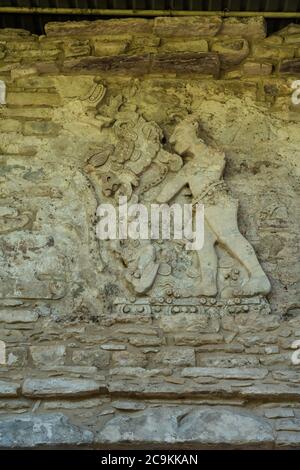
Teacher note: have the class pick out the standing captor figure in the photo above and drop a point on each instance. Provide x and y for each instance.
(203, 173)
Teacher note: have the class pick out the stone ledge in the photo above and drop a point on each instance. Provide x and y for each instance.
(190, 426)
(59, 387)
(206, 63)
(31, 430)
(203, 427)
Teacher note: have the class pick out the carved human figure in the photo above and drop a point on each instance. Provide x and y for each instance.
(203, 173)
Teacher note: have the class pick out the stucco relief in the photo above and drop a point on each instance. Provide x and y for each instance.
(139, 162)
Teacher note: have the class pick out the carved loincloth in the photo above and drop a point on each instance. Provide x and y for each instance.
(214, 193)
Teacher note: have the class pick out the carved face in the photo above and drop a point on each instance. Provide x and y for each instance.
(184, 135)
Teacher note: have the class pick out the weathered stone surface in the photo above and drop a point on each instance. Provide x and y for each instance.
(193, 45)
(100, 328)
(229, 360)
(279, 413)
(202, 63)
(50, 354)
(30, 98)
(77, 48)
(225, 373)
(94, 28)
(287, 424)
(185, 339)
(138, 371)
(290, 66)
(113, 347)
(249, 28)
(286, 375)
(176, 357)
(59, 387)
(129, 359)
(110, 46)
(32, 430)
(134, 64)
(140, 340)
(231, 51)
(187, 27)
(92, 356)
(288, 439)
(9, 389)
(128, 405)
(40, 128)
(200, 427)
(18, 316)
(293, 39)
(262, 51)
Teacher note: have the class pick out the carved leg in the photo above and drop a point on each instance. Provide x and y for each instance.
(223, 222)
(208, 264)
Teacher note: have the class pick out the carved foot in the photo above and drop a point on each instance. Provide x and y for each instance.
(260, 285)
(147, 278)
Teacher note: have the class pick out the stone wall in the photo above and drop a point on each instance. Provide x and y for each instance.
(81, 368)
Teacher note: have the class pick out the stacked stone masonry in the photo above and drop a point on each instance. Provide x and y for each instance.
(83, 368)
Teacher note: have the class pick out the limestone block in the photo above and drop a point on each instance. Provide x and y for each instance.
(83, 403)
(48, 354)
(228, 360)
(129, 359)
(279, 413)
(138, 372)
(74, 371)
(17, 356)
(175, 357)
(18, 316)
(140, 340)
(181, 321)
(287, 424)
(225, 373)
(14, 405)
(261, 51)
(14, 33)
(46, 128)
(273, 40)
(126, 63)
(113, 347)
(144, 43)
(33, 430)
(76, 48)
(189, 339)
(193, 45)
(23, 45)
(231, 51)
(128, 405)
(202, 63)
(257, 68)
(9, 389)
(95, 28)
(288, 439)
(33, 99)
(10, 125)
(92, 356)
(272, 349)
(187, 27)
(249, 28)
(2, 50)
(59, 387)
(181, 425)
(287, 375)
(290, 66)
(289, 31)
(111, 45)
(292, 39)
